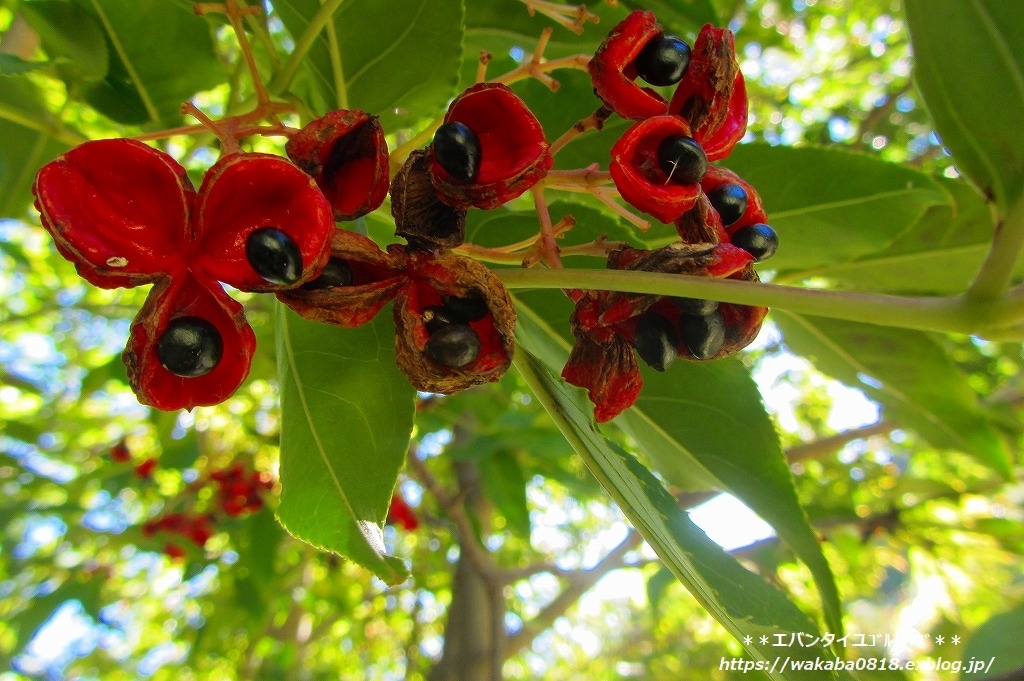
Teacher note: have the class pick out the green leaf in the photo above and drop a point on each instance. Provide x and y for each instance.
(939, 255)
(32, 136)
(712, 412)
(11, 65)
(398, 59)
(830, 206)
(160, 56)
(908, 373)
(505, 483)
(679, 15)
(741, 601)
(346, 420)
(978, 118)
(704, 426)
(68, 31)
(995, 647)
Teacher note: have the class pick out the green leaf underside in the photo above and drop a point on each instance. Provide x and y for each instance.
(70, 32)
(741, 601)
(908, 373)
(996, 641)
(703, 426)
(399, 59)
(27, 129)
(347, 415)
(142, 85)
(811, 195)
(978, 118)
(939, 255)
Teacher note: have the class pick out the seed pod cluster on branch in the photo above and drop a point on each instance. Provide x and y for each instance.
(126, 214)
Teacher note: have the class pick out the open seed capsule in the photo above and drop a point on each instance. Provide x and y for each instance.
(190, 347)
(730, 200)
(656, 341)
(274, 255)
(663, 61)
(702, 335)
(760, 240)
(457, 150)
(682, 159)
(454, 345)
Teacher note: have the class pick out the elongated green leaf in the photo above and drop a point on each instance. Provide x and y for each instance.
(939, 255)
(397, 59)
(995, 647)
(11, 65)
(746, 605)
(68, 31)
(346, 419)
(908, 373)
(832, 206)
(160, 56)
(32, 136)
(978, 118)
(704, 426)
(688, 15)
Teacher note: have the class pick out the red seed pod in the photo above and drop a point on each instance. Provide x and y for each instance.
(605, 323)
(712, 96)
(117, 209)
(146, 468)
(639, 174)
(201, 530)
(613, 68)
(346, 153)
(357, 282)
(190, 298)
(120, 452)
(174, 552)
(400, 513)
(753, 213)
(420, 311)
(243, 193)
(513, 153)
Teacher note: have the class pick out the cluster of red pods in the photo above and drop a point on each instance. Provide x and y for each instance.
(127, 214)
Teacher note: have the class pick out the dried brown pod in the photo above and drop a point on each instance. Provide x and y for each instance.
(421, 218)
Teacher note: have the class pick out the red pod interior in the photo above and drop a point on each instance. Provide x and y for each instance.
(245, 192)
(613, 68)
(638, 175)
(188, 296)
(118, 209)
(755, 213)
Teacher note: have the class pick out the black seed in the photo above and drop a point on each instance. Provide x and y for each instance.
(336, 273)
(663, 61)
(455, 346)
(190, 347)
(703, 335)
(696, 306)
(656, 341)
(469, 309)
(457, 149)
(436, 317)
(274, 255)
(759, 240)
(682, 159)
(730, 200)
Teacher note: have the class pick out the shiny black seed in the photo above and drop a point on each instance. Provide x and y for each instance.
(730, 200)
(696, 306)
(436, 317)
(190, 347)
(682, 159)
(274, 255)
(335, 273)
(457, 149)
(703, 335)
(758, 240)
(656, 341)
(663, 61)
(455, 346)
(469, 309)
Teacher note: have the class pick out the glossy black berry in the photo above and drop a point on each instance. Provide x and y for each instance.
(454, 346)
(682, 159)
(696, 306)
(335, 273)
(436, 317)
(730, 200)
(190, 347)
(702, 335)
(656, 341)
(468, 309)
(457, 150)
(758, 240)
(663, 61)
(274, 255)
